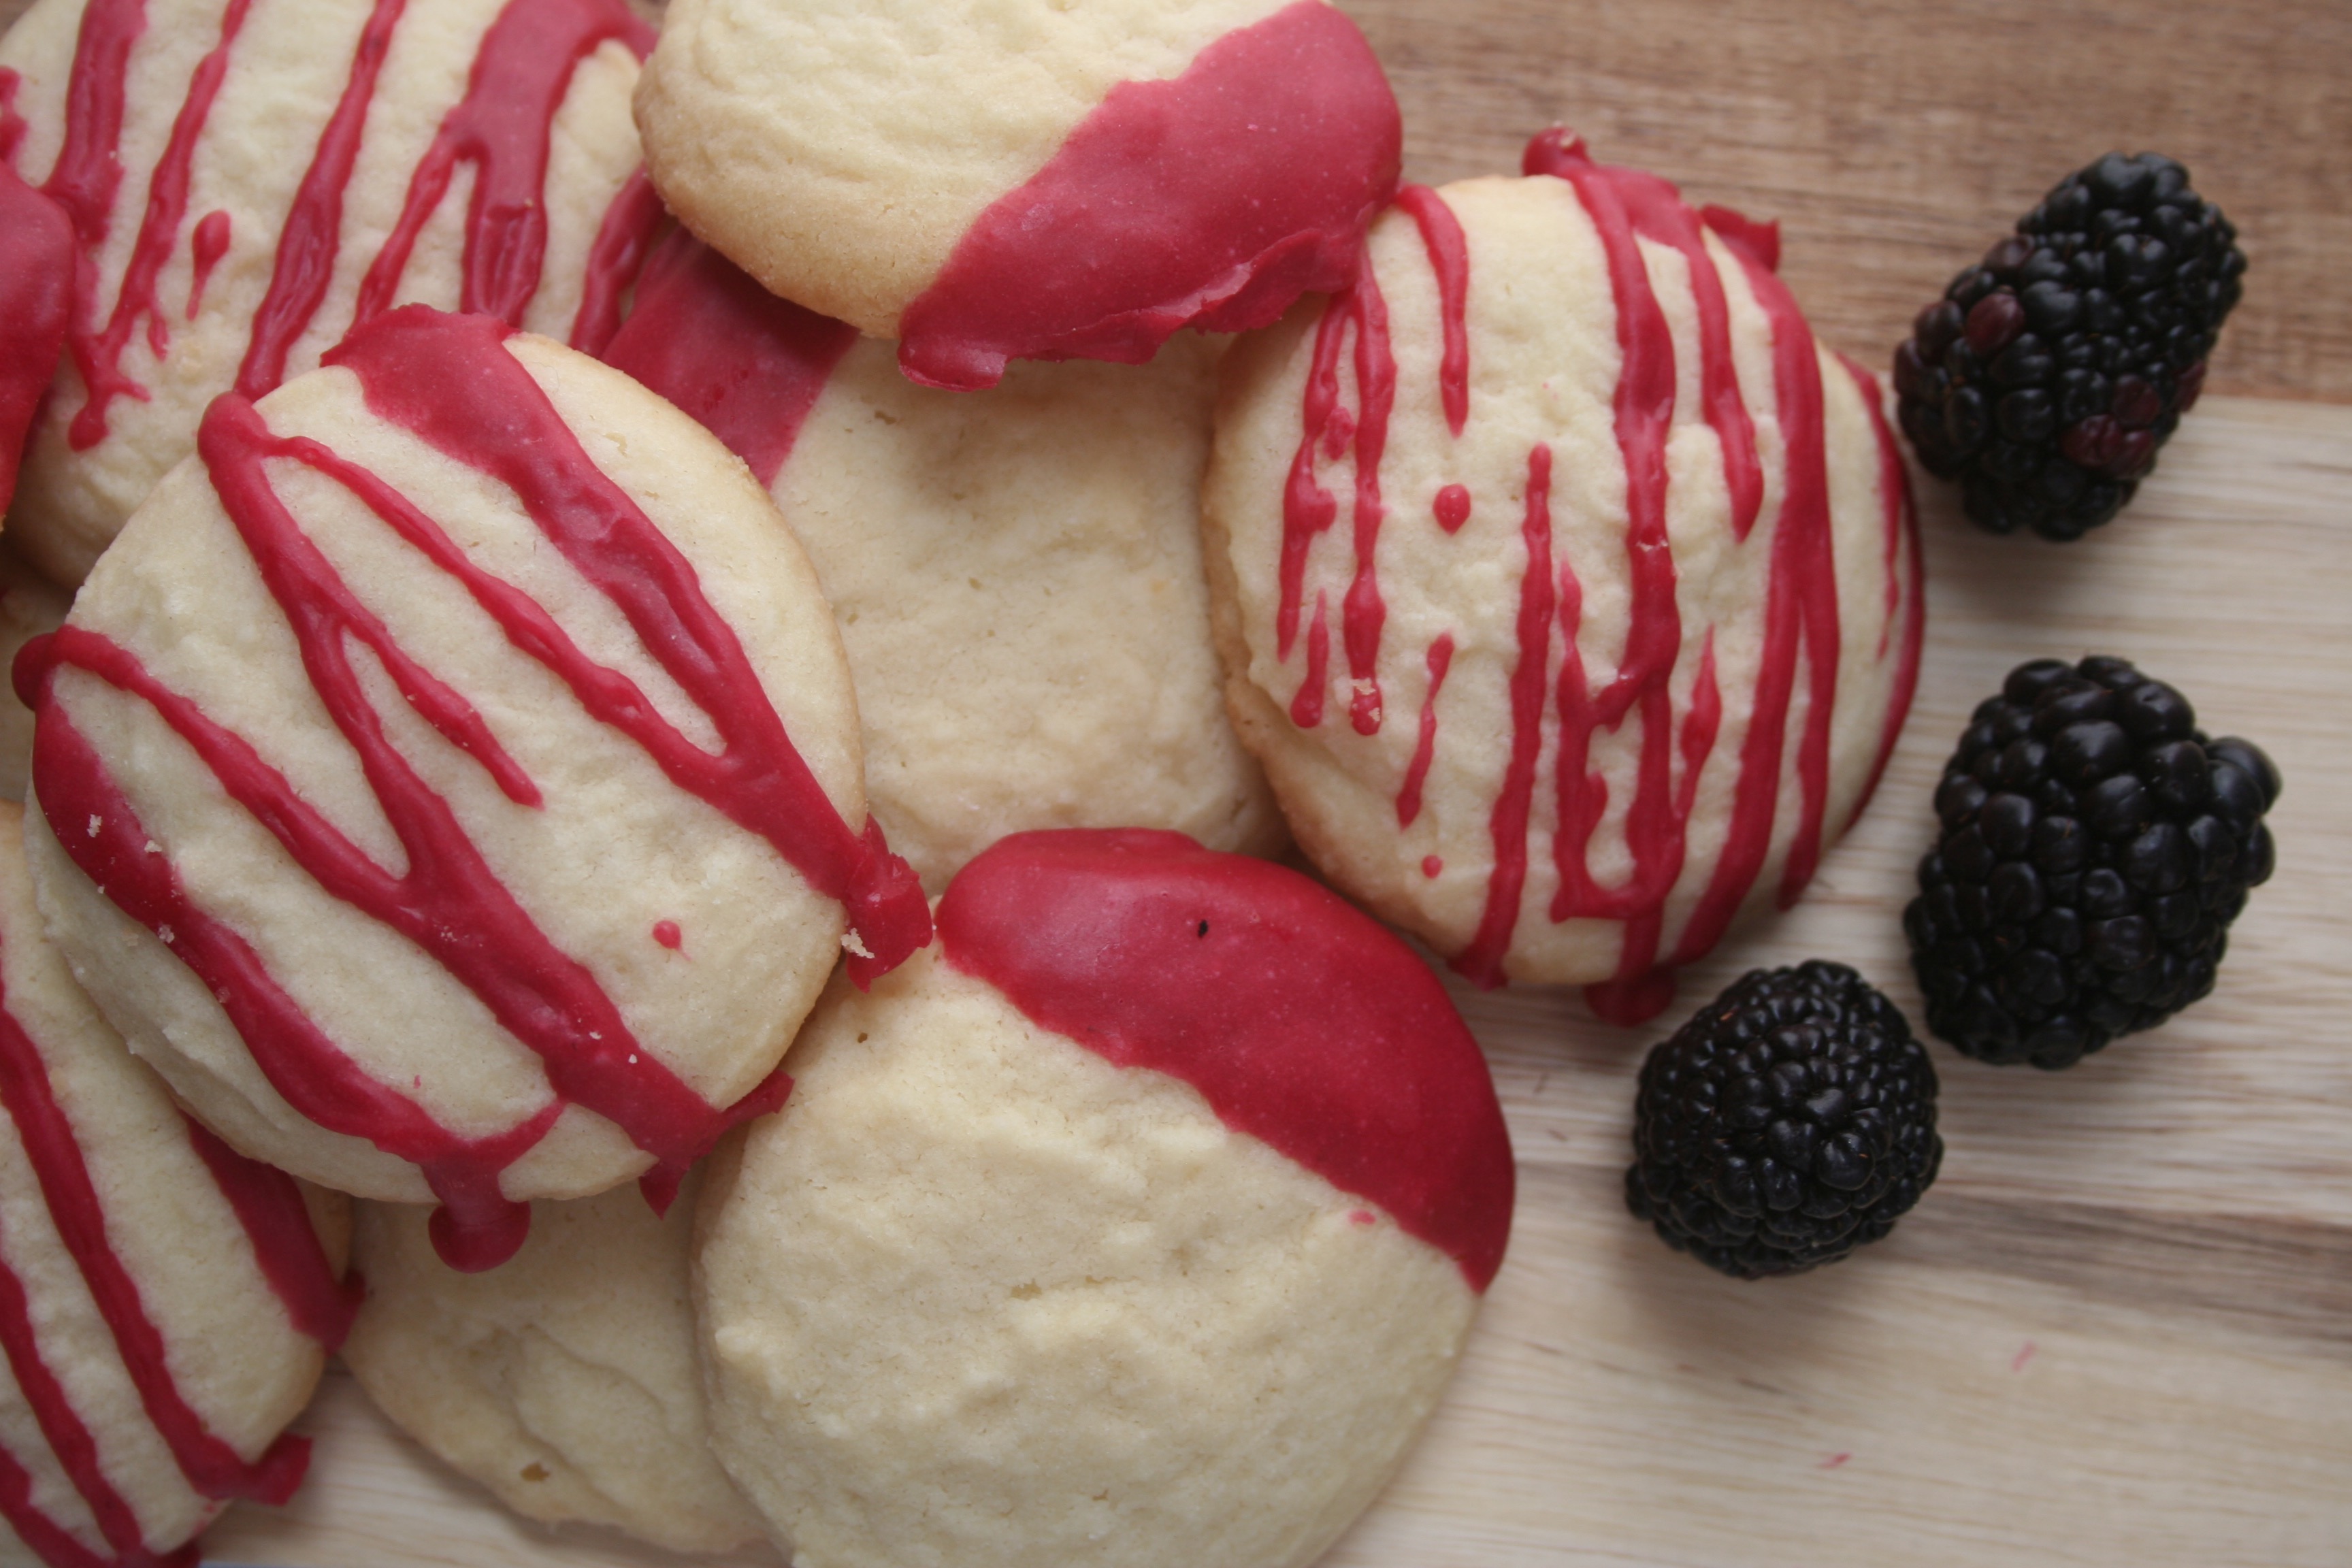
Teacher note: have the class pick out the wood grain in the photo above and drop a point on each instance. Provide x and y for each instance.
(2119, 1329)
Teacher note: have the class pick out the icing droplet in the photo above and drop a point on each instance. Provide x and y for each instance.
(1453, 508)
(1432, 866)
(667, 933)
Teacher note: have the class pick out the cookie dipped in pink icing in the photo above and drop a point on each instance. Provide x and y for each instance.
(1152, 1209)
(1569, 590)
(1039, 180)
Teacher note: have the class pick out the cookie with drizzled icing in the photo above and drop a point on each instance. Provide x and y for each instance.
(166, 1305)
(1017, 576)
(207, 195)
(990, 179)
(1569, 590)
(1141, 1222)
(450, 780)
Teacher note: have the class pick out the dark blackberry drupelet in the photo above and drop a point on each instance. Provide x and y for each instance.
(1788, 1122)
(2049, 373)
(2095, 848)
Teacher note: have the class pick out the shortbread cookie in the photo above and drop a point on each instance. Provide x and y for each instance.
(1141, 1224)
(450, 780)
(1570, 593)
(1017, 574)
(245, 179)
(566, 1381)
(166, 1305)
(30, 605)
(988, 180)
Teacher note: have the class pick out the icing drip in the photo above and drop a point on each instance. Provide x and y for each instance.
(1627, 209)
(624, 239)
(448, 379)
(503, 127)
(1214, 200)
(749, 366)
(1307, 707)
(1303, 1022)
(1441, 659)
(269, 1206)
(98, 356)
(206, 248)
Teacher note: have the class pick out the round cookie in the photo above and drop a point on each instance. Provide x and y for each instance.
(1017, 573)
(1140, 1223)
(449, 781)
(243, 180)
(1568, 592)
(566, 1379)
(166, 1305)
(987, 180)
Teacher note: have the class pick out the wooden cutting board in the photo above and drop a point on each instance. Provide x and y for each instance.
(2117, 1329)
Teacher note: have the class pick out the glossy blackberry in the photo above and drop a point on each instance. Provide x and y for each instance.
(2049, 373)
(1786, 1124)
(2095, 848)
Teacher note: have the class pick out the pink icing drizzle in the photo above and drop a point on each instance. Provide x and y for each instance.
(37, 270)
(1304, 1023)
(450, 380)
(287, 1250)
(206, 248)
(667, 933)
(1424, 752)
(749, 367)
(1214, 199)
(1626, 208)
(503, 127)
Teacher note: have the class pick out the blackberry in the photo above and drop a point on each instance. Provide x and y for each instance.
(2095, 848)
(2049, 373)
(1786, 1124)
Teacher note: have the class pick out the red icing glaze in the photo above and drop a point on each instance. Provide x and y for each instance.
(1627, 208)
(1441, 659)
(269, 1206)
(1214, 200)
(667, 933)
(206, 248)
(1449, 260)
(314, 225)
(1452, 508)
(37, 270)
(503, 128)
(1304, 1022)
(98, 356)
(624, 240)
(211, 1466)
(749, 366)
(450, 380)
(1307, 704)
(1482, 960)
(520, 76)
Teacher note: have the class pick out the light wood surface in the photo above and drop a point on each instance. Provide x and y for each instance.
(2119, 1329)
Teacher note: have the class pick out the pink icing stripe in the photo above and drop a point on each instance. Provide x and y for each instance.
(1214, 199)
(210, 1465)
(206, 248)
(1449, 263)
(503, 127)
(36, 296)
(749, 367)
(1481, 962)
(1306, 703)
(100, 357)
(1303, 1022)
(1441, 659)
(270, 1209)
(308, 245)
(624, 239)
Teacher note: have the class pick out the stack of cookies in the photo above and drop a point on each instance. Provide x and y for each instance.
(589, 560)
